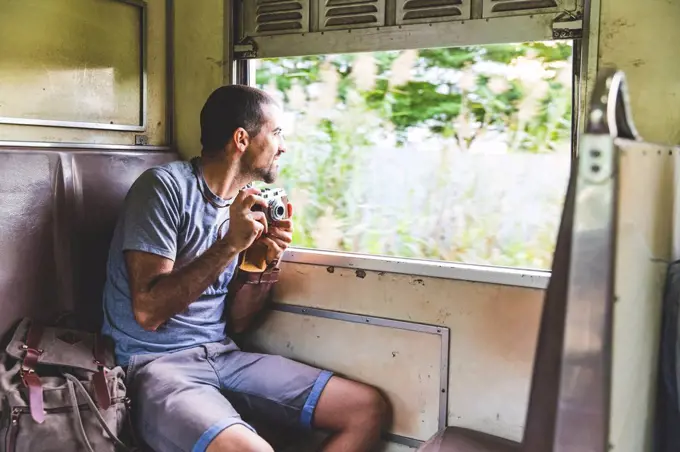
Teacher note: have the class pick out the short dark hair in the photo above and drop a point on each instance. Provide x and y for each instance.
(228, 108)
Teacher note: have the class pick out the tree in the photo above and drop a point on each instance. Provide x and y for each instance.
(522, 90)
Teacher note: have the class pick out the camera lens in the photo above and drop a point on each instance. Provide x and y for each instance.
(279, 211)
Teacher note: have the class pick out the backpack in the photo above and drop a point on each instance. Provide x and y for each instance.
(60, 392)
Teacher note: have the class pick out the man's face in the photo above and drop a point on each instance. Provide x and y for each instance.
(262, 155)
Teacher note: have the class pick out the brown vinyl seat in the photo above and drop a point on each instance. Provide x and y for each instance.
(465, 440)
(58, 209)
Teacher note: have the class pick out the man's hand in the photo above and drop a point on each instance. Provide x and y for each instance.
(245, 226)
(279, 236)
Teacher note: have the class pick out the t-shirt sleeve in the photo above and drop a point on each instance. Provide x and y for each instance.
(152, 214)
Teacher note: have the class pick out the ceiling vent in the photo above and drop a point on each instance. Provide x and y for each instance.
(495, 8)
(272, 17)
(349, 14)
(428, 11)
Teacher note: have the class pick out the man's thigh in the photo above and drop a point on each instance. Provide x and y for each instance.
(269, 387)
(179, 404)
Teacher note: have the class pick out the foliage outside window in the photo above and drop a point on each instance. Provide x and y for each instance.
(454, 154)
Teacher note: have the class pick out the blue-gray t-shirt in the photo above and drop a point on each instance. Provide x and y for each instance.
(166, 213)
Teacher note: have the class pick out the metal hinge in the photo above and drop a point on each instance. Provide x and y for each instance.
(568, 25)
(245, 49)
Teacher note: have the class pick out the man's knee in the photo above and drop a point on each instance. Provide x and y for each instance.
(370, 406)
(347, 405)
(238, 438)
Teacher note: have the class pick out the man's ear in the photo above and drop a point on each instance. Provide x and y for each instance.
(241, 139)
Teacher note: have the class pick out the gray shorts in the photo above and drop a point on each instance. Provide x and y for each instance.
(186, 398)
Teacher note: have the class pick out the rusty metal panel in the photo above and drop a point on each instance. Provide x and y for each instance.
(406, 364)
(493, 332)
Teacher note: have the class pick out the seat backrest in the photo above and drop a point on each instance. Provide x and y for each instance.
(58, 209)
(544, 395)
(569, 405)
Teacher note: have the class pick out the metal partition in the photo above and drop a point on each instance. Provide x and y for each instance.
(570, 396)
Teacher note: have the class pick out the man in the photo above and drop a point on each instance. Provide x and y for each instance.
(171, 259)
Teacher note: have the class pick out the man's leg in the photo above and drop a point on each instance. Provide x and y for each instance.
(238, 438)
(291, 394)
(180, 408)
(357, 413)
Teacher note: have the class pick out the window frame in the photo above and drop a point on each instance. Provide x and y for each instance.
(584, 70)
(489, 274)
(141, 7)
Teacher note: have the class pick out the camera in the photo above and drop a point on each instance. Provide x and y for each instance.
(277, 204)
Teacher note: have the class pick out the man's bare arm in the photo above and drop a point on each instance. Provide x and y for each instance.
(158, 292)
(242, 312)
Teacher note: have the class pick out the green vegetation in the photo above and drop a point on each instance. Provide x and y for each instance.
(352, 114)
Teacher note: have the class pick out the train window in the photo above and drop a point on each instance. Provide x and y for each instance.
(450, 154)
(86, 68)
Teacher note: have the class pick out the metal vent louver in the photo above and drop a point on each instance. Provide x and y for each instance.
(272, 17)
(348, 14)
(428, 11)
(495, 8)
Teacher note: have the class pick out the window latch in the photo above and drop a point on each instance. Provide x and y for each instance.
(568, 26)
(245, 49)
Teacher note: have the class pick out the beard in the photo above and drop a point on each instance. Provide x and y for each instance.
(269, 174)
(257, 171)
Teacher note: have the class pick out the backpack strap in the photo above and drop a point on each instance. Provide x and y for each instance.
(101, 389)
(28, 376)
(32, 382)
(76, 385)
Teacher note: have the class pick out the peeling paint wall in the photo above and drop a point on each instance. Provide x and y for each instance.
(642, 39)
(643, 248)
(198, 66)
(405, 365)
(493, 332)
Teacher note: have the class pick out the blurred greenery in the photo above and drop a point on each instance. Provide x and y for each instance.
(345, 108)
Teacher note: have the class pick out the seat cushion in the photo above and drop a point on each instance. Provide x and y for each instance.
(456, 439)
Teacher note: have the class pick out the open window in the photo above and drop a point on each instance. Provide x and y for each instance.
(451, 154)
(448, 146)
